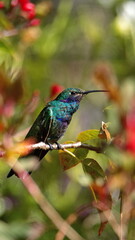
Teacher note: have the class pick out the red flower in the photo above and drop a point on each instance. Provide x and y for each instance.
(31, 14)
(2, 4)
(130, 141)
(23, 2)
(55, 90)
(28, 7)
(130, 121)
(7, 109)
(14, 3)
(34, 22)
(130, 130)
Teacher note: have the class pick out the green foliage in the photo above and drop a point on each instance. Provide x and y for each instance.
(86, 44)
(93, 168)
(72, 157)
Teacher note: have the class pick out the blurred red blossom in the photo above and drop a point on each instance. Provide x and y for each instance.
(2, 4)
(104, 201)
(7, 109)
(104, 75)
(130, 119)
(14, 3)
(24, 8)
(55, 90)
(130, 129)
(2, 127)
(23, 2)
(128, 125)
(130, 144)
(34, 22)
(28, 8)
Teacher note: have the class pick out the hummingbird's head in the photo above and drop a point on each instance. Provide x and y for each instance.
(70, 95)
(74, 94)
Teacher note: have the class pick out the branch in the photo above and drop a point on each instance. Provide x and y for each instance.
(36, 193)
(42, 201)
(55, 146)
(9, 33)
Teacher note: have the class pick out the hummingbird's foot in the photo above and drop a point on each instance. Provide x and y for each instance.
(50, 145)
(52, 148)
(58, 145)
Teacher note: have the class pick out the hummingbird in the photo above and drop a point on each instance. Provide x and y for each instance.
(53, 120)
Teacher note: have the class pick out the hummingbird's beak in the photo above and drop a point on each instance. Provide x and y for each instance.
(92, 91)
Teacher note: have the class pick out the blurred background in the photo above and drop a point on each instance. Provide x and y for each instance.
(74, 43)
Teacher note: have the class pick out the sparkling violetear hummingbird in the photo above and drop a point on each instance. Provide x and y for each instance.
(54, 119)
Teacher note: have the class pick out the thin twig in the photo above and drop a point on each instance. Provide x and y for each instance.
(44, 146)
(71, 219)
(42, 201)
(36, 193)
(9, 33)
(55, 146)
(113, 222)
(121, 216)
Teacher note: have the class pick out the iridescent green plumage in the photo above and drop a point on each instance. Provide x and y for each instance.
(54, 119)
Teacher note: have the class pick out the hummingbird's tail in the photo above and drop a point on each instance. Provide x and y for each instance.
(11, 173)
(23, 174)
(36, 153)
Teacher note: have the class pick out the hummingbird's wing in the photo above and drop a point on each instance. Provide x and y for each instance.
(40, 132)
(42, 125)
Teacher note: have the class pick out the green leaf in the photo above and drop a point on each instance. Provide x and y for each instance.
(89, 137)
(81, 153)
(102, 159)
(91, 167)
(68, 158)
(10, 59)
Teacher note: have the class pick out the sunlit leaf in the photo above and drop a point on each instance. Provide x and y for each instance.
(88, 135)
(102, 159)
(93, 168)
(68, 158)
(81, 153)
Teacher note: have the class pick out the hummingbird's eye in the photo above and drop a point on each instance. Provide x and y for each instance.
(73, 93)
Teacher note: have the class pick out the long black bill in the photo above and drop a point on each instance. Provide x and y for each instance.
(92, 91)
